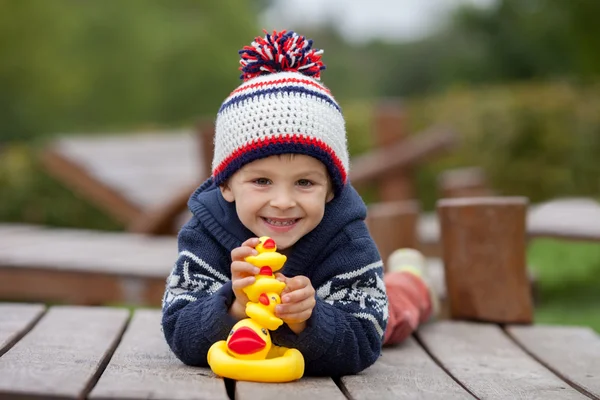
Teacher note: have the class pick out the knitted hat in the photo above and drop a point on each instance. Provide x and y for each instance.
(280, 108)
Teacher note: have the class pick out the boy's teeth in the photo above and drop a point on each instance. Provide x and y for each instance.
(280, 223)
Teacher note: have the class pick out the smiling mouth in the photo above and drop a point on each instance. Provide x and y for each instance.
(281, 222)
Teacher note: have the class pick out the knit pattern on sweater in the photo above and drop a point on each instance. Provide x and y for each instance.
(343, 335)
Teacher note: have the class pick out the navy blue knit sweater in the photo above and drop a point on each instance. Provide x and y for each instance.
(344, 334)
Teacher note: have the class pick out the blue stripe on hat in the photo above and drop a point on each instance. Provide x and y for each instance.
(284, 89)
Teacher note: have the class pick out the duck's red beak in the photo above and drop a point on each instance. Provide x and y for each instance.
(269, 244)
(245, 341)
(264, 299)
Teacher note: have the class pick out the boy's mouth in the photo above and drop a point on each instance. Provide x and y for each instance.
(281, 222)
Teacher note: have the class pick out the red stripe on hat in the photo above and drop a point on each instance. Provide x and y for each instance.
(277, 82)
(293, 139)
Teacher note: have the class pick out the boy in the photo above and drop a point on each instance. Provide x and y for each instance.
(280, 169)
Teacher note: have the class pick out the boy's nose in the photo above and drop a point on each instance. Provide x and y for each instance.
(283, 199)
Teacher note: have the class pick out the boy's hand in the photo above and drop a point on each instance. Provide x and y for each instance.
(242, 275)
(297, 302)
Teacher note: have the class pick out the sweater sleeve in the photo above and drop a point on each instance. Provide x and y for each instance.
(344, 334)
(197, 298)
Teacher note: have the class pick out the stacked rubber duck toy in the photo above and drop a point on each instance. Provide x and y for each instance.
(248, 353)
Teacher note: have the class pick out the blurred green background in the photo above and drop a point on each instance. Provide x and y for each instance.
(518, 81)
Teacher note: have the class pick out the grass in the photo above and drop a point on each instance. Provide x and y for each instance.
(569, 282)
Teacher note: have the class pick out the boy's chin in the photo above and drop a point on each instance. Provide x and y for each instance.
(283, 243)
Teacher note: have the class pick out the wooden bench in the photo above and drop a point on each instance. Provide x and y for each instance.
(73, 352)
(83, 267)
(135, 178)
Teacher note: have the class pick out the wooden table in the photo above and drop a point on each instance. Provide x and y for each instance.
(101, 353)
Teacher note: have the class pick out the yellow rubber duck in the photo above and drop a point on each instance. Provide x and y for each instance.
(248, 354)
(269, 261)
(263, 311)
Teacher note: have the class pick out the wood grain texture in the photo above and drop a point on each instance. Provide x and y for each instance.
(305, 388)
(144, 367)
(483, 242)
(63, 354)
(15, 321)
(404, 372)
(393, 225)
(489, 364)
(573, 353)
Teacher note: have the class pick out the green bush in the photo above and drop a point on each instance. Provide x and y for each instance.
(535, 140)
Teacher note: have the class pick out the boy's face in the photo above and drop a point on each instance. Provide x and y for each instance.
(280, 196)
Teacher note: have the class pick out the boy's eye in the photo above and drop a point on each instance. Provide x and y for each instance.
(304, 182)
(262, 181)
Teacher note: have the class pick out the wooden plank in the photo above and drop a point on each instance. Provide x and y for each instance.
(491, 366)
(79, 287)
(93, 251)
(376, 164)
(404, 372)
(98, 267)
(483, 242)
(64, 353)
(573, 353)
(305, 388)
(144, 367)
(571, 218)
(15, 321)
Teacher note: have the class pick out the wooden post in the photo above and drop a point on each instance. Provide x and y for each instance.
(390, 129)
(393, 225)
(483, 241)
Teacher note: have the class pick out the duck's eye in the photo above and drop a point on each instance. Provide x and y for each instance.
(231, 332)
(273, 298)
(264, 331)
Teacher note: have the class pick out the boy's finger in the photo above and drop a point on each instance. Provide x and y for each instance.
(296, 296)
(252, 242)
(280, 277)
(242, 283)
(297, 282)
(297, 318)
(239, 253)
(243, 267)
(294, 308)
